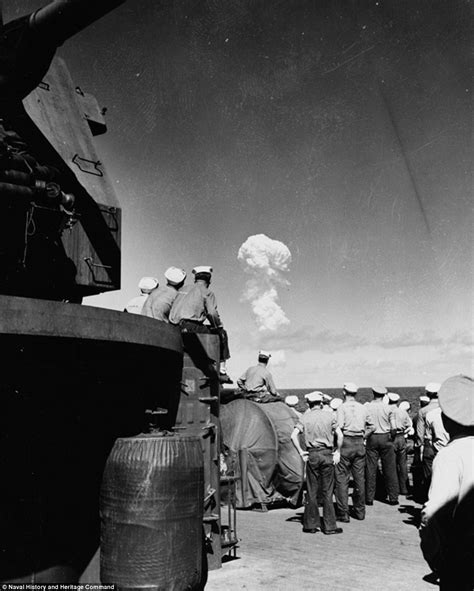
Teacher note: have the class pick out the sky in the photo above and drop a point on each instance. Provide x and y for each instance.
(341, 130)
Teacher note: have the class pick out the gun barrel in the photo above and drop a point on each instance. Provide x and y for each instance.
(62, 19)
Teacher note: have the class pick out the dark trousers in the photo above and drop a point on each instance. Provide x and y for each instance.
(400, 447)
(352, 460)
(195, 326)
(429, 454)
(380, 445)
(319, 475)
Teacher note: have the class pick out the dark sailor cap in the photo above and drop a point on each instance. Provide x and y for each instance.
(456, 399)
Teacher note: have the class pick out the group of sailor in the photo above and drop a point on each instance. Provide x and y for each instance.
(362, 435)
(191, 308)
(352, 439)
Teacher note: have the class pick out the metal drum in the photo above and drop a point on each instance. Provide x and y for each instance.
(151, 513)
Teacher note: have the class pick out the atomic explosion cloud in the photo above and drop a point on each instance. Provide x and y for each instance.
(265, 260)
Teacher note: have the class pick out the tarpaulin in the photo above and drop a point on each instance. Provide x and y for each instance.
(289, 476)
(253, 445)
(151, 513)
(258, 439)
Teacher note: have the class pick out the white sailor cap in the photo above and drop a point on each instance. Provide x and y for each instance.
(432, 387)
(175, 275)
(264, 354)
(202, 269)
(147, 284)
(424, 399)
(291, 400)
(379, 390)
(404, 405)
(456, 399)
(335, 403)
(326, 398)
(315, 396)
(393, 397)
(350, 388)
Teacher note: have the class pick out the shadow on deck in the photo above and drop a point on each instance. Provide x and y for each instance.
(381, 552)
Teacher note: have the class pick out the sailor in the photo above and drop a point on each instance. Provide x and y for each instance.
(193, 307)
(257, 382)
(424, 437)
(403, 425)
(146, 285)
(292, 402)
(419, 495)
(356, 424)
(158, 304)
(326, 402)
(438, 434)
(318, 429)
(404, 405)
(447, 520)
(380, 445)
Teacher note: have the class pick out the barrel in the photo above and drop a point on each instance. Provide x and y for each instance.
(151, 507)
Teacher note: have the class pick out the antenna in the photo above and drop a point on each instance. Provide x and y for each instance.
(404, 156)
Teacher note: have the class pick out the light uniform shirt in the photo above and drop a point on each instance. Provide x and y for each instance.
(318, 428)
(197, 303)
(257, 379)
(353, 418)
(438, 434)
(382, 415)
(159, 302)
(422, 432)
(452, 480)
(135, 305)
(403, 423)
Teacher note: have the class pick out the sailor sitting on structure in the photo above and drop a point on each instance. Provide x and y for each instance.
(159, 304)
(196, 305)
(257, 382)
(146, 285)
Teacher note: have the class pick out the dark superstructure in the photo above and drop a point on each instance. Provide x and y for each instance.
(59, 217)
(74, 378)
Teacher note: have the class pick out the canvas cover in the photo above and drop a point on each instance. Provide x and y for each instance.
(289, 476)
(258, 439)
(252, 444)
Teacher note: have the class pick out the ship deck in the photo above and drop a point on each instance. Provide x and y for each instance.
(381, 552)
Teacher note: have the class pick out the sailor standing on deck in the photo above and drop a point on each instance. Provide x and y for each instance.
(327, 402)
(158, 304)
(292, 402)
(417, 469)
(257, 382)
(146, 285)
(380, 444)
(318, 428)
(356, 424)
(403, 425)
(193, 307)
(423, 436)
(335, 404)
(447, 519)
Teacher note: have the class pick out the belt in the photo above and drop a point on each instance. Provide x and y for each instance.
(353, 436)
(319, 449)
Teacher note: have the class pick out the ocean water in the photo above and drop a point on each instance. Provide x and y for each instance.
(410, 393)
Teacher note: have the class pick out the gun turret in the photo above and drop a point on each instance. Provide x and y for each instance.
(50, 176)
(62, 19)
(28, 44)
